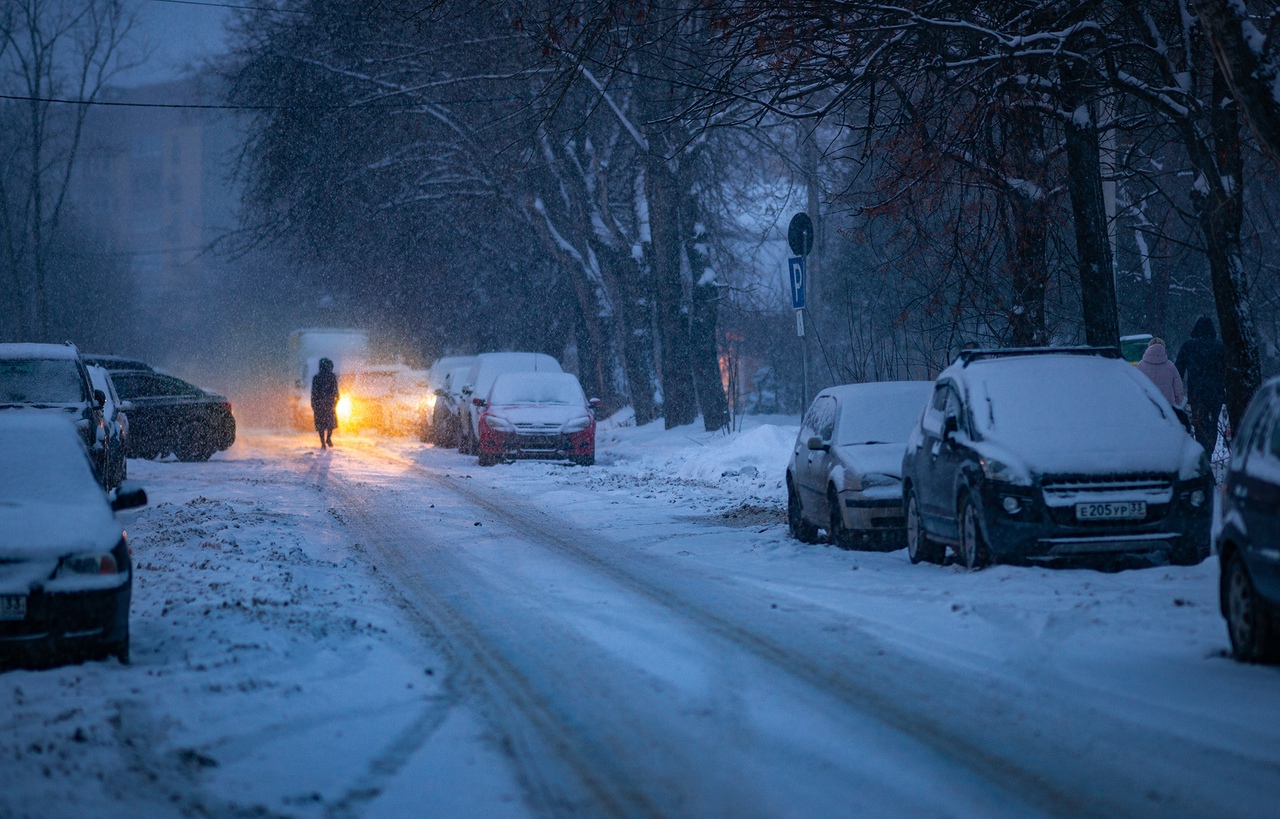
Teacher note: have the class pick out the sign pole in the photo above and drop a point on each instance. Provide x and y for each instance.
(800, 238)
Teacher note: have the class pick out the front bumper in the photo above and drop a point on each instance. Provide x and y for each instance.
(551, 446)
(878, 509)
(1040, 532)
(60, 623)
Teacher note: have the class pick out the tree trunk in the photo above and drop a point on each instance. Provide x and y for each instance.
(704, 349)
(679, 401)
(1089, 214)
(1220, 219)
(1030, 214)
(1250, 79)
(635, 330)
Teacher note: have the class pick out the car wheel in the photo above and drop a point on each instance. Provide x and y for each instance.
(973, 549)
(801, 530)
(1250, 622)
(919, 548)
(194, 452)
(837, 533)
(487, 460)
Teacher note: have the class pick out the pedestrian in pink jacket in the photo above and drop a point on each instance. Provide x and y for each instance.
(1155, 364)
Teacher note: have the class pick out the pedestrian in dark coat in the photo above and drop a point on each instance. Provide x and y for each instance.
(1202, 362)
(324, 402)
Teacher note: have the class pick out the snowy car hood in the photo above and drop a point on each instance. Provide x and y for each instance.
(1155, 448)
(540, 414)
(872, 459)
(31, 530)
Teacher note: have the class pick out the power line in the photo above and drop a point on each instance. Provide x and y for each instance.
(232, 6)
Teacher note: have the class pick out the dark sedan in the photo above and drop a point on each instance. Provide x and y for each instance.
(65, 575)
(168, 415)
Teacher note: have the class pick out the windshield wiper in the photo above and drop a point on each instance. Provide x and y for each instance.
(868, 443)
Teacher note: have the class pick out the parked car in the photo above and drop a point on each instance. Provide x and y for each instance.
(437, 373)
(168, 415)
(537, 415)
(1042, 454)
(116, 362)
(479, 381)
(65, 576)
(53, 378)
(1246, 532)
(845, 473)
(387, 398)
(115, 421)
(446, 427)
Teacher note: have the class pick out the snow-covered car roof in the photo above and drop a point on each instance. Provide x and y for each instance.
(441, 367)
(536, 388)
(50, 502)
(489, 365)
(33, 350)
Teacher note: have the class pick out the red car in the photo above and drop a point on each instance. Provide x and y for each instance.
(537, 415)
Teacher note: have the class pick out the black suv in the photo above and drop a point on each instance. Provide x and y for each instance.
(1050, 454)
(1246, 532)
(52, 377)
(167, 414)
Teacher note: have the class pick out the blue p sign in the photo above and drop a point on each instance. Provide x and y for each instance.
(795, 268)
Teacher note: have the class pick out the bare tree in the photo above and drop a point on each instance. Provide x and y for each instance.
(52, 50)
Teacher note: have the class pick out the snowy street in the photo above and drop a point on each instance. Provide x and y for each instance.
(387, 629)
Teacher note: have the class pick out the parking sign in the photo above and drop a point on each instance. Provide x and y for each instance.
(795, 268)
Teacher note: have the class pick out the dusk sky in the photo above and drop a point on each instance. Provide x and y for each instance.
(179, 35)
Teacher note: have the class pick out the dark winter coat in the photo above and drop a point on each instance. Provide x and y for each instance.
(1201, 362)
(324, 398)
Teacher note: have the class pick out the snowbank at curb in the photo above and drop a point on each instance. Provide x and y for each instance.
(761, 451)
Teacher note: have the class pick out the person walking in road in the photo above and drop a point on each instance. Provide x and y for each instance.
(1202, 362)
(324, 402)
(1155, 364)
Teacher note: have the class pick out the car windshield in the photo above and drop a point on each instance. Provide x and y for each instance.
(537, 388)
(881, 413)
(1063, 397)
(40, 381)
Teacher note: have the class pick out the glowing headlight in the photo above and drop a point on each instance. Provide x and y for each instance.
(497, 424)
(344, 409)
(430, 401)
(577, 424)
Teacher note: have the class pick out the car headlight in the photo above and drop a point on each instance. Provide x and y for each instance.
(497, 424)
(94, 564)
(430, 401)
(577, 424)
(1001, 472)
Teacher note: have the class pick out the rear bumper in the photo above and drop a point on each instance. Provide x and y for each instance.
(67, 623)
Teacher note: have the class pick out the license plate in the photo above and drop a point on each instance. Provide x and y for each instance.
(1112, 510)
(13, 607)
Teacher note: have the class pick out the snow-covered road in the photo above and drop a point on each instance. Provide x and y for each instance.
(388, 629)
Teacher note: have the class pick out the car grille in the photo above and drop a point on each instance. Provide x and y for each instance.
(528, 428)
(1063, 492)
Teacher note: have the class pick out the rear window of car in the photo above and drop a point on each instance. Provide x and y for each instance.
(145, 385)
(40, 381)
(536, 388)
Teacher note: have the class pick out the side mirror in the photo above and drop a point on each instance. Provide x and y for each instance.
(816, 443)
(950, 426)
(479, 402)
(127, 495)
(593, 402)
(126, 406)
(467, 390)
(100, 398)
